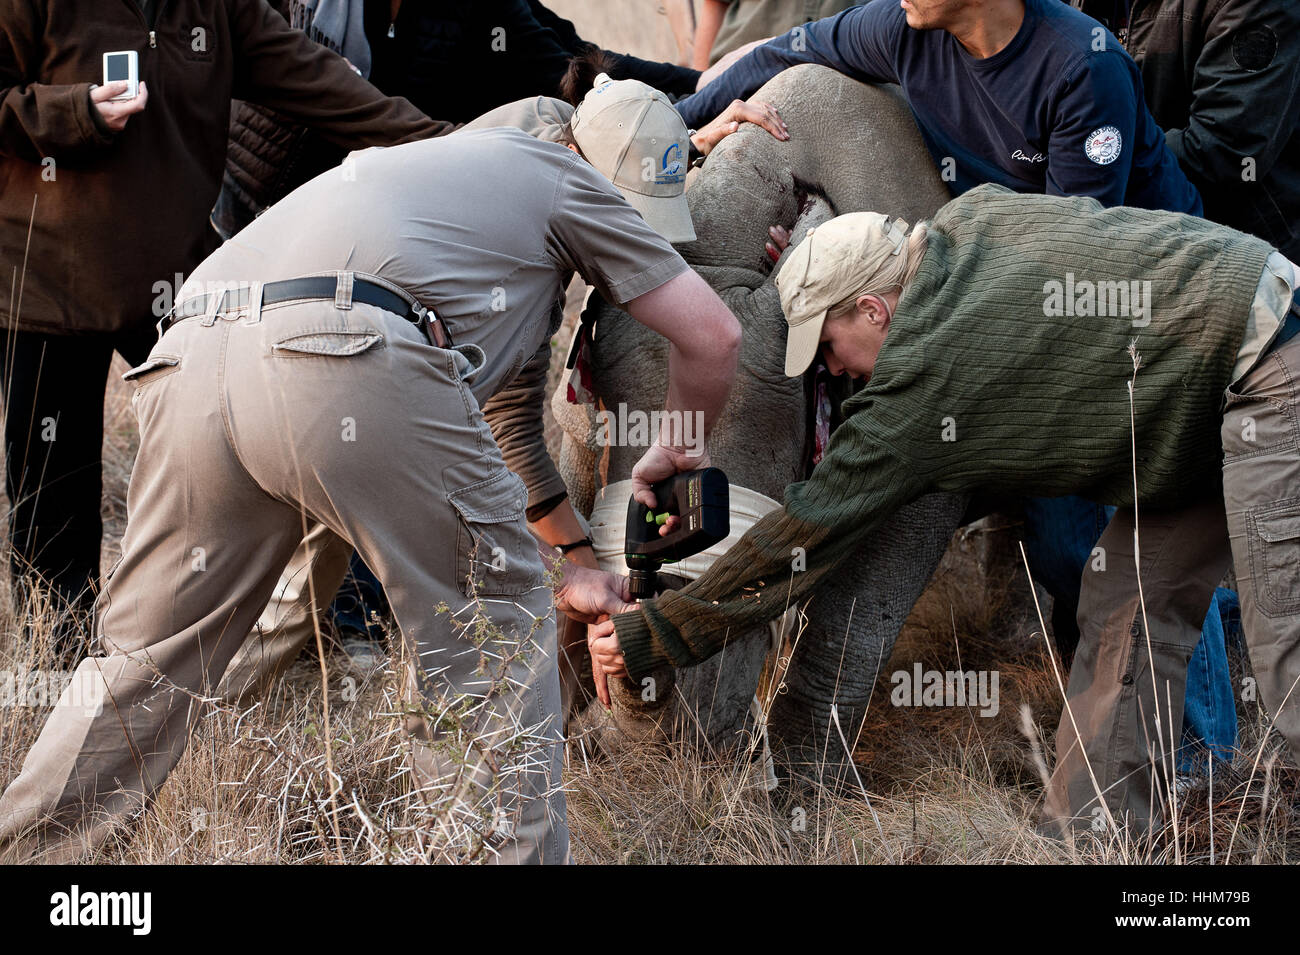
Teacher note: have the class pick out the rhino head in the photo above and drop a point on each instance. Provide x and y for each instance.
(852, 147)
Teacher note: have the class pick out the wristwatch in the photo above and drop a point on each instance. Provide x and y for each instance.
(694, 156)
(565, 548)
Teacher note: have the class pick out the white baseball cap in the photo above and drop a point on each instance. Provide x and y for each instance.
(632, 134)
(829, 265)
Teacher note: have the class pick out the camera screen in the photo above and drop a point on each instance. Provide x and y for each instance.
(118, 68)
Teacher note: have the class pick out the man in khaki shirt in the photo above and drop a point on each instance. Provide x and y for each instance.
(307, 384)
(319, 567)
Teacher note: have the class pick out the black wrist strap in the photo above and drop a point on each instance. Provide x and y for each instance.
(565, 548)
(693, 155)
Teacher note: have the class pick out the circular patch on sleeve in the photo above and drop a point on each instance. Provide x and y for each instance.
(1254, 48)
(1103, 145)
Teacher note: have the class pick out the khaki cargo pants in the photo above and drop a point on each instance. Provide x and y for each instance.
(256, 424)
(1124, 716)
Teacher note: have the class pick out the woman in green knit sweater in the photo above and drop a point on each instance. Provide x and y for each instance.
(1045, 345)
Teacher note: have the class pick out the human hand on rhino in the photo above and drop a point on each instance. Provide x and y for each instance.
(778, 243)
(729, 120)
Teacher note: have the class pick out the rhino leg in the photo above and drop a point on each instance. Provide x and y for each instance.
(713, 710)
(853, 623)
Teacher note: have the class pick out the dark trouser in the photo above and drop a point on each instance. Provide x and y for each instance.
(53, 392)
(361, 604)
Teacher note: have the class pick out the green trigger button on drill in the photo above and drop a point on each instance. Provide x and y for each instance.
(700, 500)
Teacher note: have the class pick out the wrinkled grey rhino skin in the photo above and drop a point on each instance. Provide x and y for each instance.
(852, 147)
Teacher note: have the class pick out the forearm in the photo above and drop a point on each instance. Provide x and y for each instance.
(666, 77)
(775, 566)
(1219, 155)
(560, 569)
(1236, 120)
(704, 351)
(780, 560)
(745, 76)
(514, 415)
(850, 43)
(706, 31)
(559, 526)
(39, 121)
(283, 69)
(699, 382)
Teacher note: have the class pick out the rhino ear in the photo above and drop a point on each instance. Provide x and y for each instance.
(815, 210)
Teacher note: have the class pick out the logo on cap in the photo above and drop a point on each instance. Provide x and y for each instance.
(671, 167)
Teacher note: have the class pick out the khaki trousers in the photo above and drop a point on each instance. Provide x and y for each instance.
(1123, 719)
(310, 580)
(255, 426)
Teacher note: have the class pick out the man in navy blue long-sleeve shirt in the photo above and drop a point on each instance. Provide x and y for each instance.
(1057, 109)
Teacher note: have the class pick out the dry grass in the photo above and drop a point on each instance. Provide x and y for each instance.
(942, 785)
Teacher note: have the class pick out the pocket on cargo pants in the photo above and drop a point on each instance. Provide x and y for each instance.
(496, 554)
(1261, 493)
(1261, 473)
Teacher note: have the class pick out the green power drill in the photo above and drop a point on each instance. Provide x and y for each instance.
(701, 499)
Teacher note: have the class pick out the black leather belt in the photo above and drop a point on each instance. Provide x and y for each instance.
(316, 287)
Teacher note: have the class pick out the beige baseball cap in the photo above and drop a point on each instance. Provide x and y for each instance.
(833, 262)
(632, 134)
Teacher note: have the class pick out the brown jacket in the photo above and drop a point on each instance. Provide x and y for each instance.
(95, 226)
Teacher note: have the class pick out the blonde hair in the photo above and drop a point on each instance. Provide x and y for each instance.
(892, 271)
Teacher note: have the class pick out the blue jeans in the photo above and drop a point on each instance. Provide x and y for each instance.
(1060, 533)
(358, 601)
